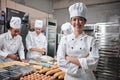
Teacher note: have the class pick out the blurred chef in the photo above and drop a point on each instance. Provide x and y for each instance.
(11, 45)
(66, 28)
(73, 49)
(36, 42)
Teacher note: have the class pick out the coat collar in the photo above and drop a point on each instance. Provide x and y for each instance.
(80, 36)
(37, 35)
(9, 34)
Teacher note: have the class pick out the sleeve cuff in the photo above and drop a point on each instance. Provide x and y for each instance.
(83, 63)
(4, 54)
(29, 48)
(72, 69)
(22, 55)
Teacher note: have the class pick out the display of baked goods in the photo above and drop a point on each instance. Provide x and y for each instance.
(26, 71)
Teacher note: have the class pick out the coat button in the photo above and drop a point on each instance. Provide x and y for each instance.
(81, 39)
(80, 48)
(71, 47)
(72, 39)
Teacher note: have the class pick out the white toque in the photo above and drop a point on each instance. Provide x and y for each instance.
(15, 22)
(78, 9)
(38, 23)
(66, 28)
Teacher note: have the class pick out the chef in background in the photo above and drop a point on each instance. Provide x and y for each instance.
(66, 28)
(11, 46)
(36, 42)
(77, 53)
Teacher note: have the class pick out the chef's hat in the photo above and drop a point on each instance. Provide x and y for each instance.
(15, 22)
(78, 9)
(38, 23)
(66, 28)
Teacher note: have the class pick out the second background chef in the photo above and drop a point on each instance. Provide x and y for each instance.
(36, 42)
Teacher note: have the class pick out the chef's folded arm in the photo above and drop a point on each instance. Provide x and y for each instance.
(28, 41)
(91, 61)
(4, 53)
(45, 45)
(65, 65)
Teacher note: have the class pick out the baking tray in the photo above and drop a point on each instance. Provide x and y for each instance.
(19, 69)
(10, 75)
(4, 77)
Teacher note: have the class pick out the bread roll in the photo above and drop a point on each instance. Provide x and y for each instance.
(51, 78)
(54, 66)
(53, 71)
(44, 70)
(37, 67)
(58, 74)
(61, 76)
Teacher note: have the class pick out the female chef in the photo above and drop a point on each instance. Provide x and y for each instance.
(11, 42)
(36, 42)
(77, 53)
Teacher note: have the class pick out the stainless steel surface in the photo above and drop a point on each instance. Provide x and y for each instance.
(51, 37)
(88, 29)
(108, 40)
(106, 28)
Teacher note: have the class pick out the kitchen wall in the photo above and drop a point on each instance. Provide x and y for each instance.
(33, 13)
(41, 5)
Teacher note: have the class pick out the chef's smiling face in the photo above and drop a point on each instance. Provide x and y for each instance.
(78, 23)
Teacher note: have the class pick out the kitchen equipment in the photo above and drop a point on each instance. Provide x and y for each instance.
(107, 37)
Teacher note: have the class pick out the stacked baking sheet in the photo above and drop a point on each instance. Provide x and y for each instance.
(108, 40)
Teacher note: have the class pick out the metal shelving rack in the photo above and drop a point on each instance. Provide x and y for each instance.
(108, 40)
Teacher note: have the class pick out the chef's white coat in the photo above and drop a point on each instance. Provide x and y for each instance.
(35, 41)
(9, 45)
(78, 47)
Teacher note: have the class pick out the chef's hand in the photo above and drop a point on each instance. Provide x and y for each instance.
(12, 56)
(41, 50)
(38, 50)
(67, 58)
(73, 60)
(85, 55)
(24, 60)
(33, 49)
(55, 57)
